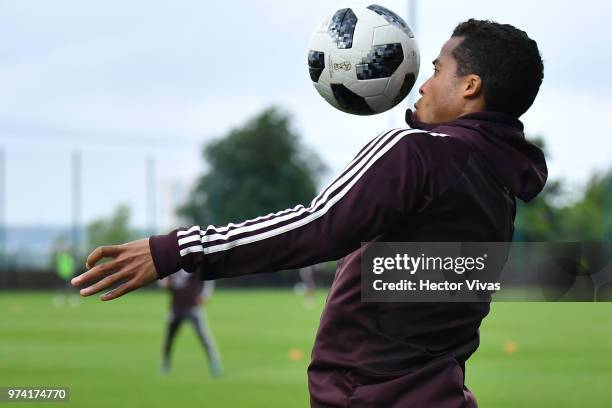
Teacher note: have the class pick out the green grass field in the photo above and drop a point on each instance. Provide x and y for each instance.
(532, 354)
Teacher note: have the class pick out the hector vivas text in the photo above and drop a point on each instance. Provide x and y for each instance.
(413, 265)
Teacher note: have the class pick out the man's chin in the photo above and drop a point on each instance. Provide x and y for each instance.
(413, 119)
(418, 118)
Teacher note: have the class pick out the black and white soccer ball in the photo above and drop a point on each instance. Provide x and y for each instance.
(363, 59)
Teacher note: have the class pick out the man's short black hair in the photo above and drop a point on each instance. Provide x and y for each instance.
(506, 59)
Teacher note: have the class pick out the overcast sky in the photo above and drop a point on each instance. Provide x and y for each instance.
(122, 81)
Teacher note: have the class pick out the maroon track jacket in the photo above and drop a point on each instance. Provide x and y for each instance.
(451, 182)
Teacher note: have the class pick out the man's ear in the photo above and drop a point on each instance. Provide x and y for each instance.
(472, 86)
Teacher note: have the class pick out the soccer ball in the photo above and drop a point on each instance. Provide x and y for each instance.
(363, 60)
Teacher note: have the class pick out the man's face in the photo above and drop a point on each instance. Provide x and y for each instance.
(441, 96)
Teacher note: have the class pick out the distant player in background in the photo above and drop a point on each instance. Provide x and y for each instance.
(65, 269)
(189, 294)
(307, 286)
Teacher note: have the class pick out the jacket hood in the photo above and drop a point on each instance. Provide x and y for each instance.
(515, 162)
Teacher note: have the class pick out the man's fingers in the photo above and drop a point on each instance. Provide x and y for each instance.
(132, 263)
(103, 284)
(102, 252)
(95, 273)
(120, 291)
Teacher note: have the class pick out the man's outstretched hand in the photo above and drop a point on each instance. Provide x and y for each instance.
(131, 264)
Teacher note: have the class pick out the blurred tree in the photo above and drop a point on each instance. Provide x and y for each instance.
(539, 219)
(110, 231)
(588, 219)
(255, 169)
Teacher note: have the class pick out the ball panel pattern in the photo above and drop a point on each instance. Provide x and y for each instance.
(349, 101)
(342, 27)
(316, 64)
(392, 18)
(380, 62)
(372, 87)
(407, 85)
(379, 103)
